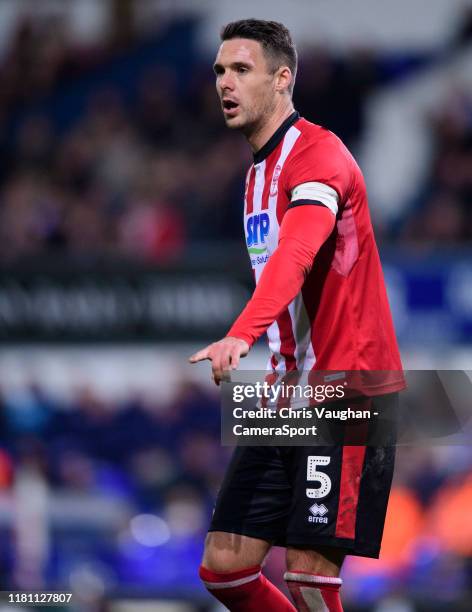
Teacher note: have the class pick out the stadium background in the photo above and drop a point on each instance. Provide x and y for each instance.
(121, 253)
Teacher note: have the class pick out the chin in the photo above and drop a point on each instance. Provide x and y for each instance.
(235, 123)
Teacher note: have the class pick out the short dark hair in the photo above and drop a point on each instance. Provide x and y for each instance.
(274, 38)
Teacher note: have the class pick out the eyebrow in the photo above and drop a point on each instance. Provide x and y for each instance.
(220, 68)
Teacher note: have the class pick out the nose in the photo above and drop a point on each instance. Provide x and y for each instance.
(226, 81)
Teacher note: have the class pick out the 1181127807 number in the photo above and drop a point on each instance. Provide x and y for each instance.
(38, 598)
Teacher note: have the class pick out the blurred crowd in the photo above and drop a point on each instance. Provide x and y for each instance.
(148, 176)
(162, 463)
(138, 177)
(106, 468)
(443, 211)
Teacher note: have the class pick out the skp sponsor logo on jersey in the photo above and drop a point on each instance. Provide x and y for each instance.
(257, 230)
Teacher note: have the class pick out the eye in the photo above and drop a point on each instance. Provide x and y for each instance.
(242, 69)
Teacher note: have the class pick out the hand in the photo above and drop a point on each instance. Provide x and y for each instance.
(224, 355)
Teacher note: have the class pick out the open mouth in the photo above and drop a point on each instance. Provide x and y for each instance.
(229, 106)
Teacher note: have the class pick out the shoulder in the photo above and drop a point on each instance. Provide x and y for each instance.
(320, 156)
(319, 142)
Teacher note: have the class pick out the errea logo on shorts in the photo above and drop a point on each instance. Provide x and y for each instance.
(318, 514)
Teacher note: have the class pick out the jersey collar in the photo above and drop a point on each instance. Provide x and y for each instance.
(276, 137)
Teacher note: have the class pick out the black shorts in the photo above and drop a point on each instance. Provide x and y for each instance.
(308, 496)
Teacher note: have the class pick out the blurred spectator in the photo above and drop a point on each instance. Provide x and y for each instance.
(6, 470)
(449, 518)
(332, 91)
(445, 209)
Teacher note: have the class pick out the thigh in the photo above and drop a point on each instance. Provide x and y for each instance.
(255, 497)
(326, 560)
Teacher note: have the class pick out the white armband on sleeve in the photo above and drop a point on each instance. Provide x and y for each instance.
(318, 192)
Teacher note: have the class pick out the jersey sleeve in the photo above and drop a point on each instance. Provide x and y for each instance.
(302, 233)
(319, 172)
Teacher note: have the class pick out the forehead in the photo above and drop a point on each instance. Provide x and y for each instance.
(240, 50)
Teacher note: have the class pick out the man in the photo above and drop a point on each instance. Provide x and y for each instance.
(321, 298)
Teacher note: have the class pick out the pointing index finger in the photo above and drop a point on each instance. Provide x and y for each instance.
(200, 355)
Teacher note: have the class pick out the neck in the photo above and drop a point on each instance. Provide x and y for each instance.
(261, 134)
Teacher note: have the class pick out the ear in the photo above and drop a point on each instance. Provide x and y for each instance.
(283, 79)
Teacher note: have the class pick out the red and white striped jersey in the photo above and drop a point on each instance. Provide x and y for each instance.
(340, 320)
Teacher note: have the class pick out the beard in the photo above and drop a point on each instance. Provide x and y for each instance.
(255, 118)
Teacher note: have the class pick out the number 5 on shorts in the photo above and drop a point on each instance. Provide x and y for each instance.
(313, 475)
